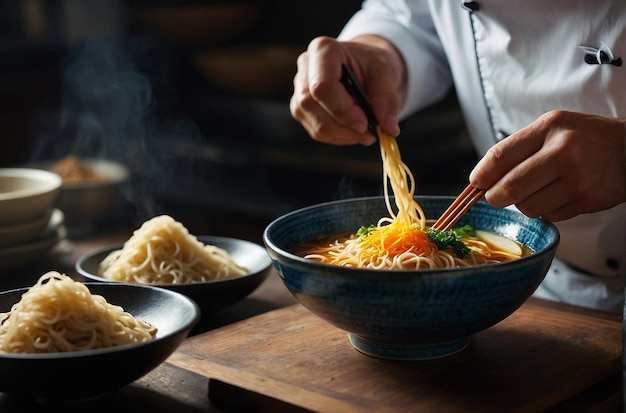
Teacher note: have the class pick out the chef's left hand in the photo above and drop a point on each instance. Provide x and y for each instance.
(561, 165)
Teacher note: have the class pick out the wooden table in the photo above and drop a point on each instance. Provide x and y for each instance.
(542, 356)
(267, 353)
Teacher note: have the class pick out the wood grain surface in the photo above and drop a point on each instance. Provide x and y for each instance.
(542, 356)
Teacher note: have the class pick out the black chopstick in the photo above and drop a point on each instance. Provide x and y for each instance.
(353, 88)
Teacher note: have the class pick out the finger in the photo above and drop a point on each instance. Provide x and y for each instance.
(506, 154)
(314, 117)
(378, 100)
(325, 87)
(530, 176)
(567, 211)
(551, 211)
(385, 103)
(324, 129)
(546, 200)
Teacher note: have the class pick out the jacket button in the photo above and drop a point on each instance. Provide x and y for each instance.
(471, 5)
(612, 264)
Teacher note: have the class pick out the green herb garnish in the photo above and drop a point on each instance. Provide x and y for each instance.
(365, 231)
(452, 239)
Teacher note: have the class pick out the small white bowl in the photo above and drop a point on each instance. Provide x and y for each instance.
(15, 256)
(16, 234)
(26, 194)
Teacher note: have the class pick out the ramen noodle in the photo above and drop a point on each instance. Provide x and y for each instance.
(163, 252)
(402, 239)
(59, 314)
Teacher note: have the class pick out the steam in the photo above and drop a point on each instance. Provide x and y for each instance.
(350, 187)
(109, 110)
(106, 101)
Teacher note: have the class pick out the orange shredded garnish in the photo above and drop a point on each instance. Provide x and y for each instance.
(395, 239)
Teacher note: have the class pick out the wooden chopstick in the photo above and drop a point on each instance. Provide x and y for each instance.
(458, 208)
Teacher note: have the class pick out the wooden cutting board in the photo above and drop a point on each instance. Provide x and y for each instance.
(543, 354)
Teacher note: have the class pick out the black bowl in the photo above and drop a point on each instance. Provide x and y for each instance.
(209, 295)
(84, 375)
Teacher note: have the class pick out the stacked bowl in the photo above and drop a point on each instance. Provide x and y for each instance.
(30, 225)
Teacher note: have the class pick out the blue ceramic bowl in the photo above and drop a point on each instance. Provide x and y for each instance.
(409, 315)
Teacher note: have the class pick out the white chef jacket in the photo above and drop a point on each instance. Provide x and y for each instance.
(510, 62)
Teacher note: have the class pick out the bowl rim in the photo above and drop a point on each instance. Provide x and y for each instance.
(38, 222)
(122, 172)
(51, 180)
(188, 325)
(79, 266)
(331, 270)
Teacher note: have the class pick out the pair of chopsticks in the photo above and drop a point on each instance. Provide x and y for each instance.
(458, 208)
(461, 204)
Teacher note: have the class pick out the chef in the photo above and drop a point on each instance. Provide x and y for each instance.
(542, 87)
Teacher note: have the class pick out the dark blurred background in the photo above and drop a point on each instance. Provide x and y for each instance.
(193, 97)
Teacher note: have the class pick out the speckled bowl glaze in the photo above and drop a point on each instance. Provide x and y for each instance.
(409, 315)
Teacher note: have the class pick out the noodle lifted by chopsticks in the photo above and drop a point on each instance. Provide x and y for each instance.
(399, 241)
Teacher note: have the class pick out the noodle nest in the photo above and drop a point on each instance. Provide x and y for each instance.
(163, 252)
(59, 314)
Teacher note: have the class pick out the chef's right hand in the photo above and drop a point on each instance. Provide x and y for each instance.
(323, 106)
